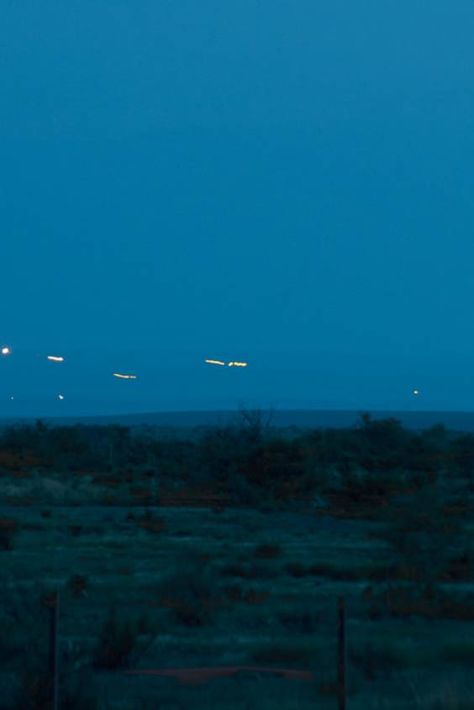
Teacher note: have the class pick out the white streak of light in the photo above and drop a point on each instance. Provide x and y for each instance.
(55, 358)
(215, 362)
(124, 377)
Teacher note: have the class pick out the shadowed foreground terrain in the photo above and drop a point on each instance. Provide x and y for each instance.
(230, 547)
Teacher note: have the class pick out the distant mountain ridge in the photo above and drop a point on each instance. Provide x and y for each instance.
(303, 419)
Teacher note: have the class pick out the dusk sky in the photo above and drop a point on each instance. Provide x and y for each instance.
(286, 183)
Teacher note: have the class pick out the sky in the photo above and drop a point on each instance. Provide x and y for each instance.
(284, 183)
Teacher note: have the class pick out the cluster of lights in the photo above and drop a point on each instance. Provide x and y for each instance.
(221, 363)
(6, 351)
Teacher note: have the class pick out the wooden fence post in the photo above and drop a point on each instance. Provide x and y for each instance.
(341, 654)
(53, 651)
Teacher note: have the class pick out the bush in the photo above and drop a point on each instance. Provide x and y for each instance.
(299, 621)
(268, 551)
(248, 571)
(35, 691)
(296, 569)
(422, 536)
(278, 468)
(8, 530)
(459, 568)
(379, 659)
(291, 654)
(79, 693)
(116, 643)
(78, 584)
(190, 596)
(460, 652)
(152, 523)
(412, 600)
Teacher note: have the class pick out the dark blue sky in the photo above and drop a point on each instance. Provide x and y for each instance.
(288, 183)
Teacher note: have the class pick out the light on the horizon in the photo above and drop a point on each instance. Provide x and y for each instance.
(121, 376)
(55, 358)
(215, 362)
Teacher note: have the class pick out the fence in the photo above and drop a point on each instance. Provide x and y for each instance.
(202, 675)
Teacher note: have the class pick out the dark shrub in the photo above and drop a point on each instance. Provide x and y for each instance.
(376, 659)
(115, 645)
(268, 551)
(8, 530)
(152, 523)
(191, 596)
(296, 569)
(78, 584)
(300, 621)
(248, 571)
(35, 691)
(412, 600)
(286, 654)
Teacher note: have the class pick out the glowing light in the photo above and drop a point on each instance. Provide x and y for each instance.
(61, 397)
(120, 376)
(215, 362)
(416, 392)
(6, 350)
(237, 364)
(55, 358)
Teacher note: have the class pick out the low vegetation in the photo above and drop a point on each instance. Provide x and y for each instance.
(230, 545)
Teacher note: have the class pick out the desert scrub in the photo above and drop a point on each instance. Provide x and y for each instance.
(348, 574)
(300, 621)
(245, 570)
(78, 584)
(378, 659)
(35, 691)
(8, 531)
(151, 522)
(459, 653)
(116, 643)
(289, 654)
(268, 551)
(429, 602)
(79, 691)
(191, 595)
